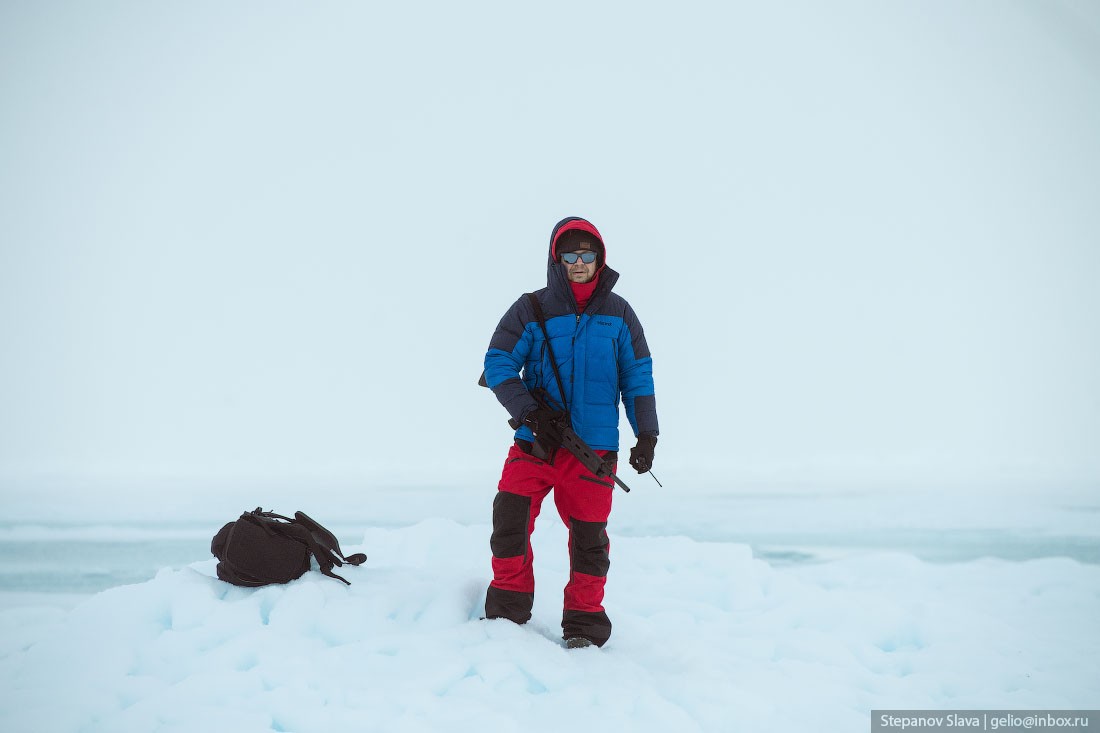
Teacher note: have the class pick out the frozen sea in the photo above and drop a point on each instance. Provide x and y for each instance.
(81, 550)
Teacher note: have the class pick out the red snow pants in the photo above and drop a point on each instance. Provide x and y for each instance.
(584, 503)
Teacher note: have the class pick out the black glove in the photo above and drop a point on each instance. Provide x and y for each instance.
(543, 420)
(547, 425)
(641, 455)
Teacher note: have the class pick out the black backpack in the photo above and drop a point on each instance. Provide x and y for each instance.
(264, 547)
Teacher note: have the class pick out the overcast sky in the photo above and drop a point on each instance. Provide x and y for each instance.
(272, 239)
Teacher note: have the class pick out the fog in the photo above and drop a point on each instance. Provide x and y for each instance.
(269, 242)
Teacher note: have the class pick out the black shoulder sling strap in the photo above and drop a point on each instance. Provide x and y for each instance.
(549, 349)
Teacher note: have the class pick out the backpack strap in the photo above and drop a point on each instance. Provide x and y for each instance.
(259, 512)
(327, 540)
(322, 544)
(325, 559)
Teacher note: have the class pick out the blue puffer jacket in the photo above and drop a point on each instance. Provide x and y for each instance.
(601, 354)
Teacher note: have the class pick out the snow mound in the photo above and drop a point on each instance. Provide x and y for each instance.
(706, 638)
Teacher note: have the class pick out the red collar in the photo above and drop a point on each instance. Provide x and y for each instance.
(583, 291)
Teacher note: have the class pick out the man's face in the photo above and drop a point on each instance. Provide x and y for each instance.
(578, 270)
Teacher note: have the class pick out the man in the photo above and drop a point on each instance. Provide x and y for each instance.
(601, 354)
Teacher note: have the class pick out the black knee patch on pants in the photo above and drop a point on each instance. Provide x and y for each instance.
(596, 627)
(509, 604)
(589, 547)
(511, 515)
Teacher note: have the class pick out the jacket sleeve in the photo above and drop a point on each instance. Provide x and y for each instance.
(636, 377)
(508, 351)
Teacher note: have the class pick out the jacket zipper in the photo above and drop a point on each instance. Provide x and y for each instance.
(573, 354)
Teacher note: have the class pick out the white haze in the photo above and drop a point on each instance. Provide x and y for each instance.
(269, 241)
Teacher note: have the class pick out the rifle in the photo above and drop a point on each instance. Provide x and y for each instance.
(573, 443)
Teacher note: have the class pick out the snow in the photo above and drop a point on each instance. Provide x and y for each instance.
(708, 637)
(256, 258)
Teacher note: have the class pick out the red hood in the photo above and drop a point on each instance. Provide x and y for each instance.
(576, 223)
(556, 277)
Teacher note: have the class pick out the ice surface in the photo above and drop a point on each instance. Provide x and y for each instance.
(706, 638)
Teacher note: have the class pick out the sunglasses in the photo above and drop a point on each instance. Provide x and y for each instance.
(570, 258)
